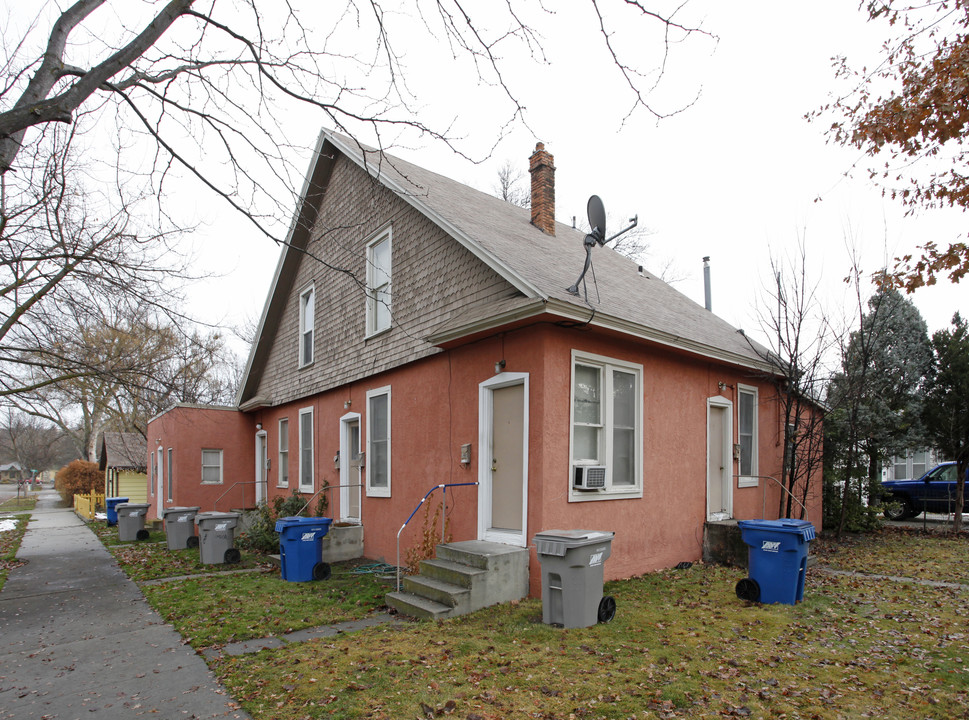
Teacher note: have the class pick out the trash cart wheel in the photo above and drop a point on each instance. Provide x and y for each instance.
(748, 589)
(192, 542)
(141, 535)
(321, 571)
(607, 609)
(232, 556)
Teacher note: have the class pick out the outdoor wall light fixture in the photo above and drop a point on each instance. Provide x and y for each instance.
(258, 426)
(499, 366)
(346, 404)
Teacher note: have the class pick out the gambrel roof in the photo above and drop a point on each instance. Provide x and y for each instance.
(538, 267)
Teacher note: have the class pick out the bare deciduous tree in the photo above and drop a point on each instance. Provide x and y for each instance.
(210, 94)
(799, 328)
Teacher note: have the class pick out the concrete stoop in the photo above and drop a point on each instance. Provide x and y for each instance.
(464, 577)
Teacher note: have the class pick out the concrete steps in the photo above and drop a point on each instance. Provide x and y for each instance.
(464, 577)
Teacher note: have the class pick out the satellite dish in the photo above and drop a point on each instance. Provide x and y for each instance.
(597, 219)
(596, 236)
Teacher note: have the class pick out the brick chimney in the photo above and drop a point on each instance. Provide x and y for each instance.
(542, 169)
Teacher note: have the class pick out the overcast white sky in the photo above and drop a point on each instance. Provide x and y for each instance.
(738, 176)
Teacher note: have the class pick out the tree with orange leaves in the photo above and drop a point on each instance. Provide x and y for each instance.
(914, 109)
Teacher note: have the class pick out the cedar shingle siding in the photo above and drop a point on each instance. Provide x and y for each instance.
(433, 279)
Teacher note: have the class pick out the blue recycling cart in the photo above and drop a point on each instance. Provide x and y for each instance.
(301, 548)
(777, 560)
(111, 505)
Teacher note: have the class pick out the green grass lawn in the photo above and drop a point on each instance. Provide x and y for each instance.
(682, 645)
(210, 611)
(9, 544)
(151, 559)
(14, 504)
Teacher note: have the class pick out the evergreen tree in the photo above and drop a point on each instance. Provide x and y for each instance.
(946, 410)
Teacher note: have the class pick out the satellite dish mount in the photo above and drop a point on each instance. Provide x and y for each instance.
(597, 235)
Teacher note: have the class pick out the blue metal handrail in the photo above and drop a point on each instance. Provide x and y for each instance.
(443, 488)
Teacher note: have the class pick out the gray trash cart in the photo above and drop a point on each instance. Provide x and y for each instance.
(217, 537)
(131, 521)
(572, 564)
(180, 527)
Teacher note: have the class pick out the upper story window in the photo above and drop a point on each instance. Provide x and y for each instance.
(607, 428)
(747, 406)
(378, 283)
(307, 321)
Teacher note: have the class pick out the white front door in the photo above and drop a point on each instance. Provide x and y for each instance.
(503, 459)
(262, 460)
(351, 467)
(719, 459)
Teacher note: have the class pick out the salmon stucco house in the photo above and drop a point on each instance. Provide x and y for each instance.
(420, 333)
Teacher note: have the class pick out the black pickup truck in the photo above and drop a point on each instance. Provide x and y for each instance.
(934, 492)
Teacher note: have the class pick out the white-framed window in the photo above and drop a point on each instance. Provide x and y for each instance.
(282, 474)
(211, 466)
(306, 450)
(378, 442)
(606, 443)
(910, 466)
(171, 475)
(307, 325)
(748, 405)
(378, 283)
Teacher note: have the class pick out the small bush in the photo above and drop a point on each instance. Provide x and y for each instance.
(261, 534)
(77, 478)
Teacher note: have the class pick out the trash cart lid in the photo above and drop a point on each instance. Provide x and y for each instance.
(784, 525)
(592, 535)
(133, 506)
(210, 514)
(167, 510)
(558, 542)
(294, 520)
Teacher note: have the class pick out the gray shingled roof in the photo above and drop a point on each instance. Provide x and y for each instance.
(543, 266)
(123, 451)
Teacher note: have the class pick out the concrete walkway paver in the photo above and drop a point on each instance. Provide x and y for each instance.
(78, 639)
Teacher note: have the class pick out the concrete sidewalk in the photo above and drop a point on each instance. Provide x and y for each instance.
(78, 640)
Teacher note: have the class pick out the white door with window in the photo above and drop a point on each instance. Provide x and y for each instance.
(351, 467)
(719, 459)
(262, 463)
(503, 459)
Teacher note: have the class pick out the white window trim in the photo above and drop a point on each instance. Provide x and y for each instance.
(384, 234)
(379, 491)
(221, 466)
(303, 361)
(609, 493)
(169, 479)
(299, 477)
(161, 477)
(282, 455)
(750, 480)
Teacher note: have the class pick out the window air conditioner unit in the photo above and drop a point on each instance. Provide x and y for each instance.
(589, 477)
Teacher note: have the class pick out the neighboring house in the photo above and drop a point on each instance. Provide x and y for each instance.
(122, 460)
(419, 332)
(913, 464)
(12, 472)
(201, 455)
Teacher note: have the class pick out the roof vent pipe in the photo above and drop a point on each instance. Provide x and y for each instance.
(707, 300)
